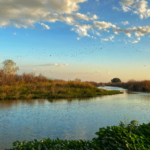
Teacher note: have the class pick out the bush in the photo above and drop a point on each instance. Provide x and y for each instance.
(48, 144)
(123, 137)
(131, 136)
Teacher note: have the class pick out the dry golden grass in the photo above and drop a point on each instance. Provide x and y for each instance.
(28, 86)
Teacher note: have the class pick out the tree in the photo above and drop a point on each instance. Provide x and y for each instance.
(9, 67)
(115, 80)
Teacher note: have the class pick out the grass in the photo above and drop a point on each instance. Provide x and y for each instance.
(52, 90)
(29, 86)
(131, 136)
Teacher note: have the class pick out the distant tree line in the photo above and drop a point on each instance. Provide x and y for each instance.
(115, 80)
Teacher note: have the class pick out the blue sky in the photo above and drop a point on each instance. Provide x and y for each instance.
(92, 40)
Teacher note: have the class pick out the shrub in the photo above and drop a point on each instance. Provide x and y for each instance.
(130, 136)
(143, 86)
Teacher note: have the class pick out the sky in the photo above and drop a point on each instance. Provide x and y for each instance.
(93, 40)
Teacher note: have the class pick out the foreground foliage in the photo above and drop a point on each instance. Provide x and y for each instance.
(123, 137)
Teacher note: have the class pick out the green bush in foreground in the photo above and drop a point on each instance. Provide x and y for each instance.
(122, 137)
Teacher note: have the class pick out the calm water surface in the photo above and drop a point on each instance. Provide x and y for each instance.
(68, 119)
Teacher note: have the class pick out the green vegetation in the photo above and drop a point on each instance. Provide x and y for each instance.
(115, 80)
(54, 89)
(29, 86)
(131, 136)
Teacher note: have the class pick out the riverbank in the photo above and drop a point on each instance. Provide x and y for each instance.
(29, 86)
(133, 86)
(124, 136)
(53, 89)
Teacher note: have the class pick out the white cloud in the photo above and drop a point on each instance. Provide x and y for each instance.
(126, 8)
(135, 41)
(78, 38)
(138, 31)
(45, 26)
(56, 64)
(97, 33)
(128, 34)
(139, 7)
(14, 33)
(20, 13)
(93, 37)
(94, 17)
(104, 39)
(82, 29)
(106, 30)
(115, 32)
(125, 22)
(74, 16)
(138, 38)
(103, 25)
(109, 38)
(116, 8)
(112, 37)
(127, 2)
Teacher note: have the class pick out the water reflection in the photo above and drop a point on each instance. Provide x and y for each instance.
(112, 88)
(69, 100)
(11, 103)
(67, 118)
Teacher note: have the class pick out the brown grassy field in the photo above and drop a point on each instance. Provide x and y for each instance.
(29, 86)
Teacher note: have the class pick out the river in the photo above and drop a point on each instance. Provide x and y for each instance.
(68, 119)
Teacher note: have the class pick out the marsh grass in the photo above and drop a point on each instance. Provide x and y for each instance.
(29, 86)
